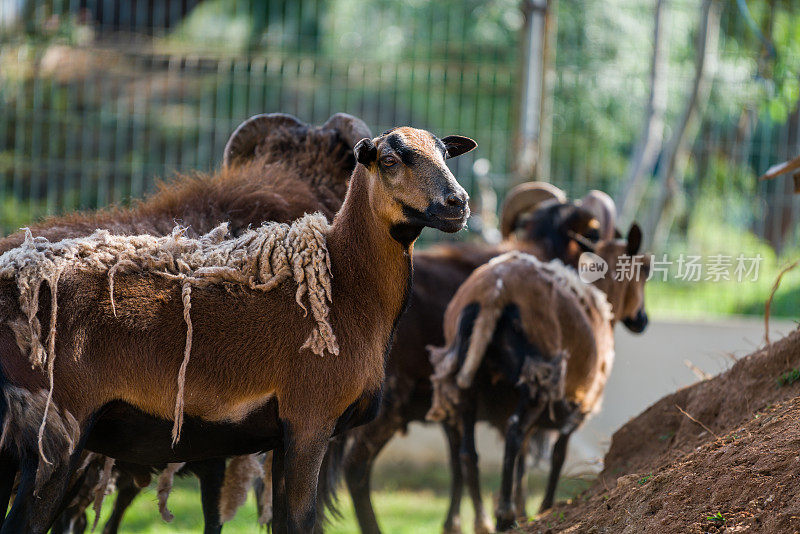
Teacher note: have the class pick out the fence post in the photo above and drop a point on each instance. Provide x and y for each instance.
(532, 156)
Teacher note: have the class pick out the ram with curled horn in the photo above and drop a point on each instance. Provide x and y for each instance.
(603, 208)
(524, 199)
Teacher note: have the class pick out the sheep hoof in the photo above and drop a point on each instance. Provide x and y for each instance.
(483, 525)
(452, 526)
(506, 519)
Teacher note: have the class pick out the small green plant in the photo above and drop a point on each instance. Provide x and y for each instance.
(642, 481)
(716, 518)
(789, 377)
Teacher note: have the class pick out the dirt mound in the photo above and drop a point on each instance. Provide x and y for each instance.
(729, 445)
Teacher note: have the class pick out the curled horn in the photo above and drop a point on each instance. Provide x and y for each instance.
(524, 198)
(352, 129)
(603, 208)
(244, 140)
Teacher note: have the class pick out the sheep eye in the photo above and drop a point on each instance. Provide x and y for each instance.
(389, 161)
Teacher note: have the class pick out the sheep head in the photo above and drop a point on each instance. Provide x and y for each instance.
(624, 282)
(412, 186)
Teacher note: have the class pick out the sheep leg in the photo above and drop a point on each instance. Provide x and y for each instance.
(68, 521)
(534, 445)
(556, 463)
(469, 461)
(452, 525)
(211, 474)
(519, 424)
(16, 520)
(127, 491)
(8, 472)
(305, 443)
(280, 511)
(358, 471)
(36, 514)
(519, 492)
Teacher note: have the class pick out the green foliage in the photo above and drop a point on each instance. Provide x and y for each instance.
(15, 214)
(789, 377)
(716, 518)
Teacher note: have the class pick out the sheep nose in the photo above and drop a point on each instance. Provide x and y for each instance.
(456, 200)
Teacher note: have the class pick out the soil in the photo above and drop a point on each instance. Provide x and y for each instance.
(730, 462)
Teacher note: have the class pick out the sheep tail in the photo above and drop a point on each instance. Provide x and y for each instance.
(481, 336)
(165, 480)
(186, 296)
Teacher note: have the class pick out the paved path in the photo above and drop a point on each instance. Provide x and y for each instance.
(647, 367)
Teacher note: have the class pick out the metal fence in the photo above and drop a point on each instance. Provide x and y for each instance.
(101, 98)
(95, 116)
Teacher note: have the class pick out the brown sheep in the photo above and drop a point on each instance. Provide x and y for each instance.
(246, 346)
(534, 328)
(537, 220)
(276, 168)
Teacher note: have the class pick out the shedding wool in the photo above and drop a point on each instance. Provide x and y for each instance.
(104, 487)
(25, 413)
(165, 480)
(264, 503)
(239, 475)
(567, 278)
(259, 259)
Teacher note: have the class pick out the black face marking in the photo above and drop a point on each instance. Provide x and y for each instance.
(407, 155)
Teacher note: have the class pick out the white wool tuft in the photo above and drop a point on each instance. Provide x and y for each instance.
(260, 259)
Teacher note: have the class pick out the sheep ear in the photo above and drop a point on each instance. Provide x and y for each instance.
(457, 145)
(243, 142)
(366, 152)
(634, 239)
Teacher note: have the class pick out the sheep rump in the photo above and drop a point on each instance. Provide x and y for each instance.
(259, 259)
(546, 377)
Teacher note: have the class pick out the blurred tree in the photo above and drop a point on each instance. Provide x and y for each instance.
(670, 174)
(650, 142)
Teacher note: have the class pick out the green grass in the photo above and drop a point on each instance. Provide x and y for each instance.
(789, 377)
(707, 299)
(408, 500)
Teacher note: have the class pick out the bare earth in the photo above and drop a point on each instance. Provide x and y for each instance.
(737, 469)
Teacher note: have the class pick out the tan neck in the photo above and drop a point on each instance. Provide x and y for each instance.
(364, 254)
